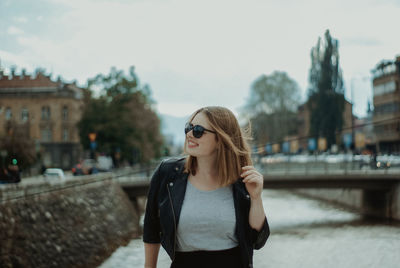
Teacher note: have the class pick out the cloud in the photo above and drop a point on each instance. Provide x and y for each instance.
(20, 19)
(45, 51)
(8, 58)
(361, 41)
(190, 50)
(177, 109)
(14, 30)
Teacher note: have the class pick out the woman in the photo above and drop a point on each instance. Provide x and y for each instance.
(206, 209)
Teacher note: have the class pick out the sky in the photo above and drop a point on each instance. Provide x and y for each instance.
(199, 53)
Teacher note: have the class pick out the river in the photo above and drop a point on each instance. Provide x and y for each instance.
(304, 233)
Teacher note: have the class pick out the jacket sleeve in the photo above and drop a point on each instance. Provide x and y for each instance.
(151, 226)
(260, 237)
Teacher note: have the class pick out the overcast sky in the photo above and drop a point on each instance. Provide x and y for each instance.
(198, 53)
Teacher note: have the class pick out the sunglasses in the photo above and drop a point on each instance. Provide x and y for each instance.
(198, 130)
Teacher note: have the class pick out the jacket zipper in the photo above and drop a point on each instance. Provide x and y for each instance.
(173, 214)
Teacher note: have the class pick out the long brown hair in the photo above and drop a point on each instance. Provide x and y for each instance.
(233, 151)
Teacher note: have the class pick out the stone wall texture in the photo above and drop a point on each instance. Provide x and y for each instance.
(353, 199)
(77, 223)
(396, 203)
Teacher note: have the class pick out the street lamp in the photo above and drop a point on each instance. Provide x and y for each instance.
(93, 145)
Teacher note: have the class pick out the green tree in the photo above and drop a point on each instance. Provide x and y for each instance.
(326, 91)
(272, 107)
(122, 117)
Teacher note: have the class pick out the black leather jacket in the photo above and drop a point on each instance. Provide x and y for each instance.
(164, 203)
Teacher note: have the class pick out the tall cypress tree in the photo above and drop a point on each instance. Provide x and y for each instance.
(326, 91)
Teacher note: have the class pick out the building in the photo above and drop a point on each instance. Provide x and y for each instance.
(386, 100)
(304, 116)
(49, 110)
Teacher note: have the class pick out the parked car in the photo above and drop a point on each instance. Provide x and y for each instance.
(383, 161)
(77, 170)
(104, 163)
(89, 166)
(55, 173)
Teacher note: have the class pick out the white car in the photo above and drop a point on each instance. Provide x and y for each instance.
(54, 173)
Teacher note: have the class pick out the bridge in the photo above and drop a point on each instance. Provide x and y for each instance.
(370, 181)
(138, 186)
(380, 190)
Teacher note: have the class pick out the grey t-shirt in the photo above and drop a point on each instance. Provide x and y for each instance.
(207, 220)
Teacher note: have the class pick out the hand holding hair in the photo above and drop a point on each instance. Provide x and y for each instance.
(253, 180)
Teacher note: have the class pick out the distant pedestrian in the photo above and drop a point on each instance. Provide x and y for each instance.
(206, 209)
(374, 160)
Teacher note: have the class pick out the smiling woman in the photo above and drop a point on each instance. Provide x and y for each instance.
(206, 209)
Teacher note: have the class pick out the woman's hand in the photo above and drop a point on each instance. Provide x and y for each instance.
(253, 180)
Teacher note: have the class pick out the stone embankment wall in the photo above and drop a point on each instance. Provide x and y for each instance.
(356, 200)
(350, 199)
(76, 223)
(396, 203)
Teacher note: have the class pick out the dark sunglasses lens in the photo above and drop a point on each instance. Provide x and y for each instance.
(198, 131)
(188, 128)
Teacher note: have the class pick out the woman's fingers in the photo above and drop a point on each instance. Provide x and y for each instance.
(249, 171)
(248, 167)
(252, 179)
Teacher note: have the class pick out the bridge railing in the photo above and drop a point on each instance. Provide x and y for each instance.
(326, 164)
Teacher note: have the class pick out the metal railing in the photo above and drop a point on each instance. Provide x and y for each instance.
(326, 164)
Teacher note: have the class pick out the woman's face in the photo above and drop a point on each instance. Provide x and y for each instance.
(206, 145)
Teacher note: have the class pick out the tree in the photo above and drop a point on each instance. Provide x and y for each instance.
(272, 107)
(18, 145)
(122, 117)
(326, 91)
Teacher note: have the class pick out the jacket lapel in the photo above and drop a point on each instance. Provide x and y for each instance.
(241, 202)
(177, 186)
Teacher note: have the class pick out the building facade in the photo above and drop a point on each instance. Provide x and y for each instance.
(48, 110)
(386, 100)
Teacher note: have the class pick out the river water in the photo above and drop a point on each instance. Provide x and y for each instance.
(304, 233)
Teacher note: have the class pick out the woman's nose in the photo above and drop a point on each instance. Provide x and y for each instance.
(190, 134)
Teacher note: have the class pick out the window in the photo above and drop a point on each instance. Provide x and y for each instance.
(379, 129)
(45, 112)
(66, 160)
(387, 108)
(47, 159)
(65, 113)
(46, 135)
(385, 88)
(65, 136)
(8, 113)
(24, 115)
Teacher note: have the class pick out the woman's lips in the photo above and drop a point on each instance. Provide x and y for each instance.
(192, 144)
